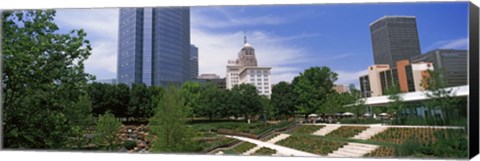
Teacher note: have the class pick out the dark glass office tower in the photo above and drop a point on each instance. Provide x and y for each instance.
(453, 64)
(394, 38)
(193, 62)
(154, 46)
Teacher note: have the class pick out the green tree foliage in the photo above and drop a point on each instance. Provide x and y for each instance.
(168, 124)
(439, 96)
(43, 78)
(249, 100)
(81, 116)
(396, 97)
(283, 100)
(210, 101)
(108, 97)
(191, 94)
(108, 128)
(312, 87)
(337, 102)
(140, 101)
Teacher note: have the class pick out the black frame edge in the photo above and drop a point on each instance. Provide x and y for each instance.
(473, 129)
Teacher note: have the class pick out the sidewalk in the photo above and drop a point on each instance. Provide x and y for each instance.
(280, 149)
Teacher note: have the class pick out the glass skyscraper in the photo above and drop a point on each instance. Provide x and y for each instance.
(154, 46)
(394, 38)
(193, 62)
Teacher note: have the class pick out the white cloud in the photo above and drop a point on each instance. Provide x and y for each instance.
(461, 43)
(347, 77)
(200, 19)
(101, 26)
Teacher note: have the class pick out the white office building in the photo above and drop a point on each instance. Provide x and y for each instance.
(245, 70)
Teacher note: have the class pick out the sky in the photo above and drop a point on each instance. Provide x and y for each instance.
(288, 38)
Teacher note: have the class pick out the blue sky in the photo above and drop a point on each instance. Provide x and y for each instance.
(289, 38)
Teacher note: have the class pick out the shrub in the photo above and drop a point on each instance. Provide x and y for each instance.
(312, 144)
(129, 144)
(307, 129)
(347, 131)
(265, 151)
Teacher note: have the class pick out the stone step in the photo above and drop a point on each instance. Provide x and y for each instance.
(354, 150)
(327, 129)
(336, 155)
(370, 132)
(253, 150)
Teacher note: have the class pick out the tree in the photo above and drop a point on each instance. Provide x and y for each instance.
(43, 78)
(140, 101)
(120, 100)
(438, 94)
(210, 100)
(168, 124)
(283, 100)
(396, 97)
(249, 100)
(312, 87)
(108, 128)
(80, 116)
(191, 94)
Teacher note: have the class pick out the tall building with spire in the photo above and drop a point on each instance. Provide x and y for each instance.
(245, 69)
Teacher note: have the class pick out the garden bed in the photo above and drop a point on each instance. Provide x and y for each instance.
(312, 144)
(382, 152)
(241, 148)
(265, 151)
(347, 131)
(306, 129)
(400, 135)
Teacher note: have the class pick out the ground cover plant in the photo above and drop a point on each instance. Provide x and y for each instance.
(312, 144)
(265, 151)
(307, 129)
(241, 148)
(382, 152)
(347, 131)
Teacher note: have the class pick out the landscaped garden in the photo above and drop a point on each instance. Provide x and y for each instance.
(307, 129)
(423, 143)
(312, 144)
(346, 131)
(382, 151)
(265, 151)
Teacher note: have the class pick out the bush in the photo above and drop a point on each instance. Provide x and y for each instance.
(129, 144)
(347, 131)
(307, 129)
(265, 151)
(312, 144)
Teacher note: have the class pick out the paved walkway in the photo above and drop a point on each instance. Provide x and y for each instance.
(400, 126)
(281, 150)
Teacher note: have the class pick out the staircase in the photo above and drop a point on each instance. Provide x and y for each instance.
(272, 140)
(327, 129)
(353, 150)
(370, 132)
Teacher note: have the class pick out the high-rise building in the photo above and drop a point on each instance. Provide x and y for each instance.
(453, 63)
(245, 70)
(154, 46)
(340, 88)
(394, 38)
(193, 62)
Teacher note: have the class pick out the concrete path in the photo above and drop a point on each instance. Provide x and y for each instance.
(272, 140)
(353, 150)
(370, 132)
(281, 150)
(327, 129)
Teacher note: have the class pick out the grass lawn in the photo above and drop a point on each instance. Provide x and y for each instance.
(241, 148)
(312, 144)
(265, 151)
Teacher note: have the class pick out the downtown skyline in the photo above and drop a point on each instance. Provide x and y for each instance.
(287, 38)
